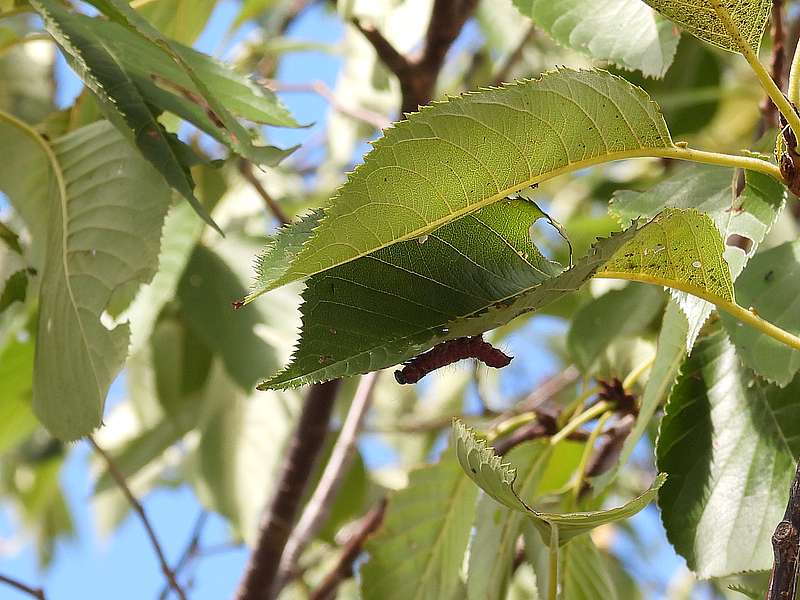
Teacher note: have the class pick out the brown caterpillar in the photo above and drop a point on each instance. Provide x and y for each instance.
(449, 352)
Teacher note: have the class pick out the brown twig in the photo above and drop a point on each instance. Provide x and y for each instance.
(246, 169)
(769, 112)
(31, 591)
(277, 522)
(139, 509)
(319, 505)
(418, 75)
(540, 428)
(377, 120)
(785, 546)
(514, 57)
(189, 551)
(350, 552)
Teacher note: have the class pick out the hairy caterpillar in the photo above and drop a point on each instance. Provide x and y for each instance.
(449, 352)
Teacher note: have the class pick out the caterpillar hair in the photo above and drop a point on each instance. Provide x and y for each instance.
(448, 353)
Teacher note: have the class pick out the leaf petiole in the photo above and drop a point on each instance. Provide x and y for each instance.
(552, 584)
(764, 78)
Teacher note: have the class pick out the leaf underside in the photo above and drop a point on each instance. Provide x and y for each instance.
(727, 442)
(497, 478)
(455, 157)
(419, 550)
(700, 18)
(593, 28)
(742, 221)
(91, 252)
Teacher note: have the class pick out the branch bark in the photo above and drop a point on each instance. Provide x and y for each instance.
(418, 75)
(246, 169)
(139, 509)
(350, 552)
(277, 522)
(785, 547)
(22, 587)
(319, 506)
(769, 111)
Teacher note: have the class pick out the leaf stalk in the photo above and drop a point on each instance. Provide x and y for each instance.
(764, 78)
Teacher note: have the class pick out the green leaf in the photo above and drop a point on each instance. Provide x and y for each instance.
(238, 459)
(497, 528)
(497, 478)
(711, 191)
(232, 133)
(91, 251)
(129, 75)
(616, 314)
(206, 291)
(478, 149)
(585, 572)
(457, 271)
(594, 28)
(16, 374)
(500, 275)
(771, 285)
(702, 19)
(691, 92)
(680, 249)
(727, 442)
(180, 20)
(419, 549)
(181, 232)
(671, 352)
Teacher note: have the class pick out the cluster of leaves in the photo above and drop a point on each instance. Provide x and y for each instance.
(110, 263)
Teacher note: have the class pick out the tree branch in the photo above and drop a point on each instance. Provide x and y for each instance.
(418, 76)
(318, 507)
(137, 506)
(350, 552)
(769, 112)
(785, 545)
(377, 120)
(246, 169)
(276, 524)
(31, 591)
(516, 55)
(189, 551)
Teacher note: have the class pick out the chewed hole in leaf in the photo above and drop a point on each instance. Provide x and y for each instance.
(739, 241)
(551, 242)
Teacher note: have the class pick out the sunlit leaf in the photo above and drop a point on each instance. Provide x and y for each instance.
(742, 221)
(95, 177)
(497, 478)
(728, 443)
(594, 28)
(455, 157)
(771, 285)
(616, 314)
(497, 528)
(706, 19)
(419, 549)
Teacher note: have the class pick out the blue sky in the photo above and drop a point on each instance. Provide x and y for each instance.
(124, 566)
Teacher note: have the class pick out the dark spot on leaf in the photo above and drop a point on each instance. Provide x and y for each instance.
(739, 241)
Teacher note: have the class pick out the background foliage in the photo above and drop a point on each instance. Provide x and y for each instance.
(132, 142)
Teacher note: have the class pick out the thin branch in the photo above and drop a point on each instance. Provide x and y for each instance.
(31, 591)
(769, 112)
(139, 509)
(190, 550)
(277, 522)
(391, 58)
(246, 169)
(318, 507)
(514, 57)
(418, 76)
(377, 120)
(785, 545)
(350, 552)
